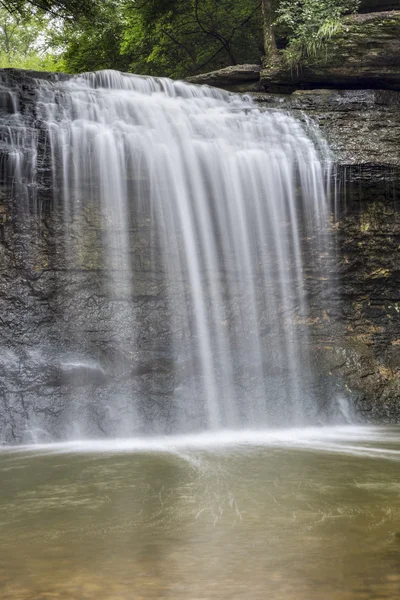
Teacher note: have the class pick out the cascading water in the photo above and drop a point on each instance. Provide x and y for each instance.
(195, 219)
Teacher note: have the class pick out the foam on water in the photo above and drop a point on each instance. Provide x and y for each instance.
(361, 441)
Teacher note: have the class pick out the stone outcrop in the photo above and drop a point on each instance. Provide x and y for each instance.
(67, 346)
(356, 333)
(57, 366)
(364, 55)
(236, 78)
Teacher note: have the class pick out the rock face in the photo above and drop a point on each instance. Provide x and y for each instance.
(368, 355)
(355, 335)
(366, 54)
(357, 332)
(59, 367)
(361, 126)
(55, 363)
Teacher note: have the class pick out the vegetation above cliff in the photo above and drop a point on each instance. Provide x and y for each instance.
(175, 38)
(309, 24)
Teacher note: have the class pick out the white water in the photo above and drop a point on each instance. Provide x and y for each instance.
(356, 441)
(234, 200)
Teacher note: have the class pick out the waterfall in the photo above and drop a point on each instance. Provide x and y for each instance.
(192, 219)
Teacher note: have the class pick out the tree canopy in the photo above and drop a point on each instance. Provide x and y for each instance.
(167, 37)
(61, 8)
(173, 38)
(26, 41)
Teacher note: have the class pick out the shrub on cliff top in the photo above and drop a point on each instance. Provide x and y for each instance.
(308, 24)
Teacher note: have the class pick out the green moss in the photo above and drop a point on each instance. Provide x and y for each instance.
(379, 274)
(365, 226)
(354, 39)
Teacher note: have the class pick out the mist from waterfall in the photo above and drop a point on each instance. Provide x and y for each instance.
(232, 203)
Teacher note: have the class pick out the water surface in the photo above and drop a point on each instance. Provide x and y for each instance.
(288, 515)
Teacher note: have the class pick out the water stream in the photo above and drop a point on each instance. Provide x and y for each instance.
(220, 207)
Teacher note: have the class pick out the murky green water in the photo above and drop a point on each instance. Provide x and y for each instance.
(291, 518)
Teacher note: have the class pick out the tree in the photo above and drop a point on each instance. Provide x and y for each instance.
(60, 8)
(188, 36)
(271, 52)
(25, 42)
(94, 42)
(166, 37)
(178, 38)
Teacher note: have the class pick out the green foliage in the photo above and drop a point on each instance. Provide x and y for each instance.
(25, 41)
(166, 37)
(173, 38)
(95, 42)
(308, 24)
(61, 8)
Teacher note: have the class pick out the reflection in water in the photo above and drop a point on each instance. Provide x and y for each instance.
(283, 516)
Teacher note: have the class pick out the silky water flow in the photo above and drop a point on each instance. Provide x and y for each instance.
(201, 200)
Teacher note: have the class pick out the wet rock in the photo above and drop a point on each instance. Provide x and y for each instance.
(361, 126)
(359, 345)
(78, 374)
(235, 78)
